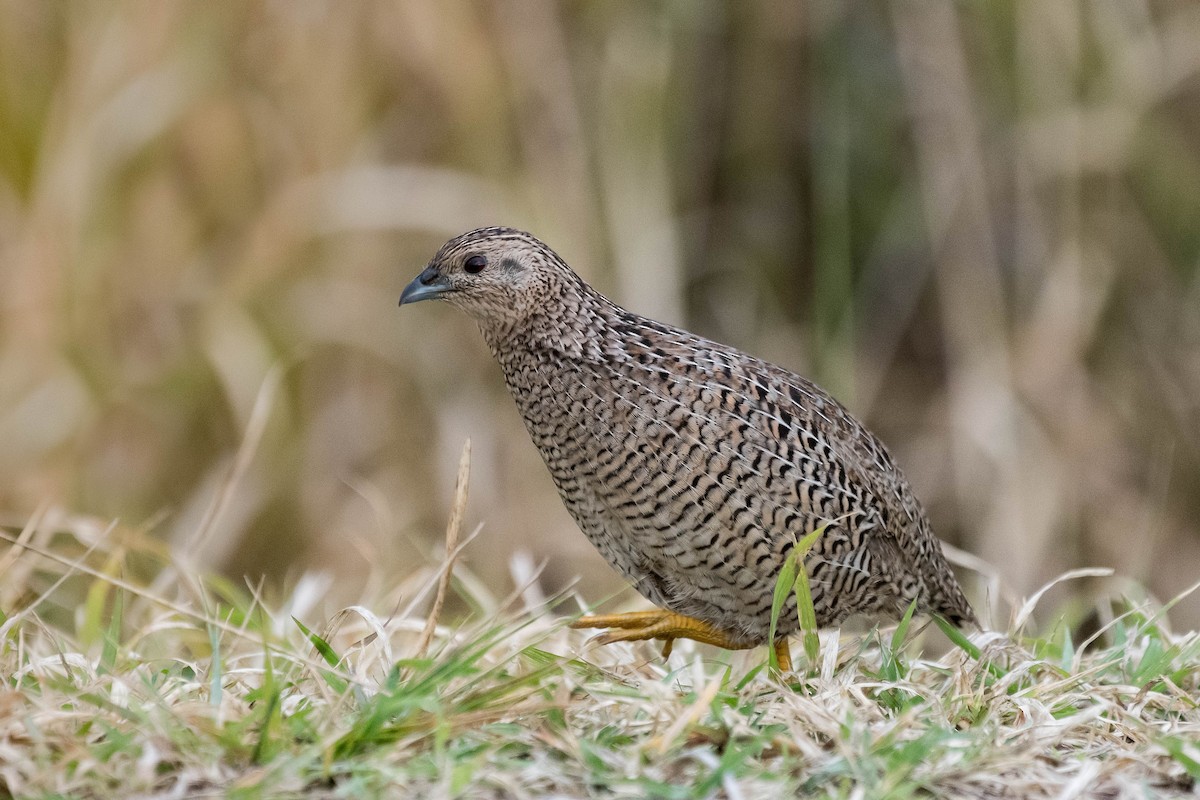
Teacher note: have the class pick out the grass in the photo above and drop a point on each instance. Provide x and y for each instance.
(794, 580)
(123, 674)
(974, 221)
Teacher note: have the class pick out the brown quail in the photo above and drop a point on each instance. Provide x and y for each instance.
(691, 466)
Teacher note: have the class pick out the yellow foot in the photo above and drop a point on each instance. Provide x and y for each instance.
(638, 626)
(783, 655)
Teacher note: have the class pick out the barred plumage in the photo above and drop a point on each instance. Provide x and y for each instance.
(691, 466)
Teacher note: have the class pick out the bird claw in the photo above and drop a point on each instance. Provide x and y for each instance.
(665, 625)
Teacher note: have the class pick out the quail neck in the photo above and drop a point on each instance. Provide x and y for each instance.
(690, 465)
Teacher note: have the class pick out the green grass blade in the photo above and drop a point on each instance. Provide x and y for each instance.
(320, 645)
(804, 603)
(1067, 659)
(263, 749)
(112, 638)
(91, 630)
(901, 631)
(1179, 752)
(327, 653)
(957, 637)
(783, 584)
(966, 645)
(808, 617)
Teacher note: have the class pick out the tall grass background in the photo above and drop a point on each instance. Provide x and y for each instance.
(977, 223)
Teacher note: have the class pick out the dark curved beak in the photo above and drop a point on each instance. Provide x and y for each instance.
(430, 284)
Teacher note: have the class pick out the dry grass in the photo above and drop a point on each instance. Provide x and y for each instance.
(975, 222)
(206, 689)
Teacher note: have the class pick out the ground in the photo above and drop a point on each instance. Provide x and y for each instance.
(123, 673)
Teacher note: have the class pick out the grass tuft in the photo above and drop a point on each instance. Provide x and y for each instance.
(793, 580)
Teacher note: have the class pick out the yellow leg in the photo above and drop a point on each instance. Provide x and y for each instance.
(783, 654)
(666, 625)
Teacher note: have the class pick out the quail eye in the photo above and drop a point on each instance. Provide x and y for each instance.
(474, 265)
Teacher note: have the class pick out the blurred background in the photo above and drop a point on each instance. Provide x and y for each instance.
(978, 224)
